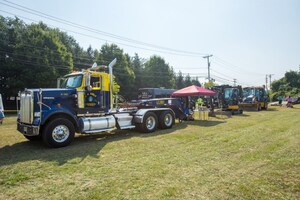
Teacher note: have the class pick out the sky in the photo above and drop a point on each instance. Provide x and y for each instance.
(248, 39)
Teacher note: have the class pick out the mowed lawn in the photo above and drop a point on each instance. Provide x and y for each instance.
(251, 156)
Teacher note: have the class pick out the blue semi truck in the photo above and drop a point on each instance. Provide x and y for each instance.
(82, 103)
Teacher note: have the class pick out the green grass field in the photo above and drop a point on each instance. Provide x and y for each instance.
(251, 156)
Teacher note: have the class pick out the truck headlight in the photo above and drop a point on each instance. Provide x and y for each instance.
(37, 114)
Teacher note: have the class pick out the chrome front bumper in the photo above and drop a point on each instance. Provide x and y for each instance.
(28, 130)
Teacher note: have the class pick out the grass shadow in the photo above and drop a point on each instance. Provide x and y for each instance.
(81, 147)
(242, 115)
(271, 109)
(207, 123)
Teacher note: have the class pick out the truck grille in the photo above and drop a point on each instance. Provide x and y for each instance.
(26, 107)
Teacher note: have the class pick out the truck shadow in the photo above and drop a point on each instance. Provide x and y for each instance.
(207, 123)
(81, 147)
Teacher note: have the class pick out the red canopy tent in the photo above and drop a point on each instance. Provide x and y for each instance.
(193, 91)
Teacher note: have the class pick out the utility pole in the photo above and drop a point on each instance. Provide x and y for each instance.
(270, 76)
(234, 82)
(210, 99)
(267, 82)
(208, 64)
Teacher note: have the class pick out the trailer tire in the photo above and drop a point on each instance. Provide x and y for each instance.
(149, 123)
(58, 133)
(166, 120)
(258, 107)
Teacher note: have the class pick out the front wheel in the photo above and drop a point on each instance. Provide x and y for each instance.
(58, 133)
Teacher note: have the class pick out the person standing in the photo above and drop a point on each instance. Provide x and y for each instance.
(289, 102)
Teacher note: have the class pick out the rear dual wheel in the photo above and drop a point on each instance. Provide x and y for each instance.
(150, 122)
(166, 120)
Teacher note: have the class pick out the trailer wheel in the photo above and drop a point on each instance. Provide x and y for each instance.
(149, 123)
(58, 133)
(166, 120)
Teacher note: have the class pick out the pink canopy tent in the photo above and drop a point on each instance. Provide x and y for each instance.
(193, 91)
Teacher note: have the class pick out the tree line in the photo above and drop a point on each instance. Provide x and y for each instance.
(289, 85)
(35, 55)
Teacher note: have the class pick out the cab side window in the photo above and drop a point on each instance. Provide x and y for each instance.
(96, 82)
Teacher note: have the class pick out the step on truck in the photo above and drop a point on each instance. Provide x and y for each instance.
(82, 103)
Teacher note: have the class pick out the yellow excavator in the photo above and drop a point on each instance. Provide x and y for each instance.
(255, 98)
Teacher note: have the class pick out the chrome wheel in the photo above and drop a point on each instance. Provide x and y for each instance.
(168, 119)
(150, 123)
(60, 133)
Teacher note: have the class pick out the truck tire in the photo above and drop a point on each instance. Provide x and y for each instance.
(149, 123)
(58, 133)
(258, 107)
(265, 106)
(166, 120)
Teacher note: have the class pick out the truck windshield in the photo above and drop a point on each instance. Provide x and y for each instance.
(71, 81)
(228, 93)
(249, 91)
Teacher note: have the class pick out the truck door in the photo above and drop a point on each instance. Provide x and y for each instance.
(92, 99)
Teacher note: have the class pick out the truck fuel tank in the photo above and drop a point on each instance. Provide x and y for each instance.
(97, 124)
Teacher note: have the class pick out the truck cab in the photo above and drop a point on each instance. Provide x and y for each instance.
(92, 89)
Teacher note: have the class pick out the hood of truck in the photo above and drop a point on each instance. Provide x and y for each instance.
(54, 97)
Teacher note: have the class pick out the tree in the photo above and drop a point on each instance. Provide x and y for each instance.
(47, 59)
(158, 73)
(10, 31)
(289, 85)
(277, 83)
(293, 79)
(124, 74)
(179, 81)
(196, 82)
(209, 84)
(33, 57)
(187, 80)
(137, 66)
(81, 59)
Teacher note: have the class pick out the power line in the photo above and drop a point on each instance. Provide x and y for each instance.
(105, 40)
(230, 66)
(69, 23)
